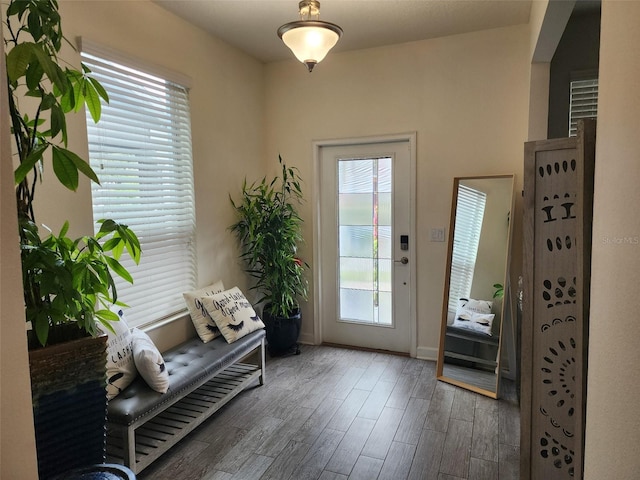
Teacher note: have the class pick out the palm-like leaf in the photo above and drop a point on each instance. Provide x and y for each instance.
(269, 230)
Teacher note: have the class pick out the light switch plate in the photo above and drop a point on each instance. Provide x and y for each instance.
(437, 234)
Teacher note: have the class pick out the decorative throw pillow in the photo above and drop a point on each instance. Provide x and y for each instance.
(477, 306)
(121, 369)
(478, 322)
(149, 361)
(205, 326)
(233, 314)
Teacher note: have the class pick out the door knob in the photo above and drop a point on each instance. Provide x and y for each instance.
(403, 260)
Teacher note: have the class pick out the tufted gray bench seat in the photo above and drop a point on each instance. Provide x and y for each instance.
(143, 424)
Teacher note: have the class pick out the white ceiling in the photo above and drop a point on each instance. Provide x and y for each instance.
(251, 25)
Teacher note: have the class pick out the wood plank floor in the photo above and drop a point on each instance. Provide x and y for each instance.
(333, 413)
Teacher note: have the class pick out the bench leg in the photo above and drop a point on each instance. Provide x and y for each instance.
(261, 362)
(129, 448)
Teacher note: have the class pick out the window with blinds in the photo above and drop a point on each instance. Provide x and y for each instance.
(141, 152)
(468, 226)
(583, 102)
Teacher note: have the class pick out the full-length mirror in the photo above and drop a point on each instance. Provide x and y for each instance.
(476, 293)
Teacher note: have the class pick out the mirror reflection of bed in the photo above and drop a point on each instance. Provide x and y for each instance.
(476, 286)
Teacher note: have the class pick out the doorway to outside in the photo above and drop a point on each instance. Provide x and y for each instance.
(365, 243)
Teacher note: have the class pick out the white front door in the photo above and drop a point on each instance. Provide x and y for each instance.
(366, 249)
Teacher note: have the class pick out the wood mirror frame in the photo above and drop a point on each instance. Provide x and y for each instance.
(466, 356)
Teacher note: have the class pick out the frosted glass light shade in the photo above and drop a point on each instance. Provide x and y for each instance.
(310, 41)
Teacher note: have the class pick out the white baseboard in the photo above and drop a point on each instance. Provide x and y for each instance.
(427, 353)
(306, 339)
(422, 353)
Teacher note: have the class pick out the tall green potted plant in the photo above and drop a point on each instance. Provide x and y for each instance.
(68, 283)
(269, 229)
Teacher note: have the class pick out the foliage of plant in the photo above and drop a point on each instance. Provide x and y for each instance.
(499, 293)
(34, 75)
(69, 280)
(65, 280)
(269, 229)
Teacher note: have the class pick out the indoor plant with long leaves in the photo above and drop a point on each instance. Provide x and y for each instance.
(269, 229)
(68, 283)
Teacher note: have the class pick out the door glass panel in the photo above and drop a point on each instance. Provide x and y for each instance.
(385, 290)
(385, 308)
(384, 209)
(357, 305)
(384, 241)
(355, 176)
(384, 276)
(356, 273)
(365, 244)
(355, 208)
(356, 241)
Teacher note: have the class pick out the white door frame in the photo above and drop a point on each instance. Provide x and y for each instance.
(318, 307)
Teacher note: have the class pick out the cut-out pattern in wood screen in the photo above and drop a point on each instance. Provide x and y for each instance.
(554, 429)
(557, 248)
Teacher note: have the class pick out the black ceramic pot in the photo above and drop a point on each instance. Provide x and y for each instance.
(282, 333)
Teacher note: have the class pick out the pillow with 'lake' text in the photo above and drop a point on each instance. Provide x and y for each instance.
(121, 369)
(233, 314)
(477, 306)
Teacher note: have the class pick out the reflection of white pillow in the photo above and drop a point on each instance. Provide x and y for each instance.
(471, 305)
(121, 370)
(205, 326)
(149, 361)
(478, 322)
(233, 314)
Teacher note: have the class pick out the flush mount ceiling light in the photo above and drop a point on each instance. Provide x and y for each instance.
(309, 38)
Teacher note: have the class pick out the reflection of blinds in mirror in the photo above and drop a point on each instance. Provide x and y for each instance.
(469, 215)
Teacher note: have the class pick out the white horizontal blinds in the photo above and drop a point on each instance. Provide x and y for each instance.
(583, 102)
(468, 225)
(141, 151)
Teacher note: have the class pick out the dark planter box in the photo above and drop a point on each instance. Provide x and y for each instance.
(68, 383)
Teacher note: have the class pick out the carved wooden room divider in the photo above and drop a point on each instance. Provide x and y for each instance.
(558, 211)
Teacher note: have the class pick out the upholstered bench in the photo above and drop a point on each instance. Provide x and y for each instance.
(142, 424)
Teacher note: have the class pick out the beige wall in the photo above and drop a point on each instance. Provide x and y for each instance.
(613, 416)
(17, 440)
(539, 75)
(536, 19)
(466, 97)
(547, 21)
